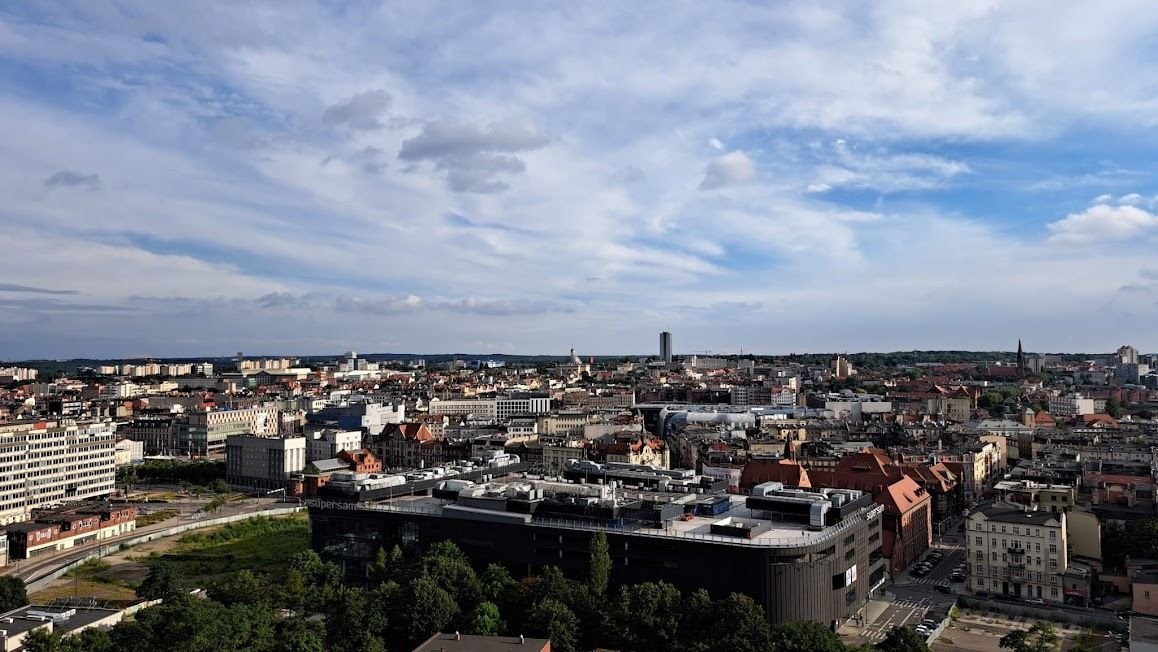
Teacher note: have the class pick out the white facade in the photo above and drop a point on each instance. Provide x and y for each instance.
(1017, 553)
(326, 444)
(1068, 406)
(129, 452)
(51, 462)
(263, 462)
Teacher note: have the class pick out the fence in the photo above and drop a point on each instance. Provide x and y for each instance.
(37, 583)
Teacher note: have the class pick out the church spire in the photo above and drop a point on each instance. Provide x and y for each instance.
(1020, 358)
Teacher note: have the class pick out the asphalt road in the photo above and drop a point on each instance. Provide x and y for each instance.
(916, 596)
(32, 569)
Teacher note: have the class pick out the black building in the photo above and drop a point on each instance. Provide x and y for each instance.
(801, 555)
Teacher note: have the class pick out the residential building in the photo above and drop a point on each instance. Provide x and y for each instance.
(1017, 553)
(1068, 406)
(156, 433)
(842, 368)
(263, 462)
(51, 462)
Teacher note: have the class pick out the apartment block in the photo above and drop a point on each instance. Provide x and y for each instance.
(326, 444)
(49, 462)
(1017, 553)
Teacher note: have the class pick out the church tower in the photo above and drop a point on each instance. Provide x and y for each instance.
(1020, 359)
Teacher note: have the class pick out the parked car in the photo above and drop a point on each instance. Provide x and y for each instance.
(1034, 601)
(944, 588)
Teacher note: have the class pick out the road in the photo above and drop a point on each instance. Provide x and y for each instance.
(33, 569)
(916, 596)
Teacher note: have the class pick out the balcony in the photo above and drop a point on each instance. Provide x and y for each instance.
(1016, 551)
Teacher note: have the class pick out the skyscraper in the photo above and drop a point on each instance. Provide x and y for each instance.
(665, 347)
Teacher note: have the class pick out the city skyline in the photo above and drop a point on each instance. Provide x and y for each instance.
(194, 180)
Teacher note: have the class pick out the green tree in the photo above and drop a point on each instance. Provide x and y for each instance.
(161, 582)
(485, 620)
(298, 635)
(244, 587)
(1042, 637)
(741, 625)
(13, 593)
(496, 581)
(805, 636)
(455, 574)
(431, 608)
(42, 640)
(1114, 407)
(903, 639)
(219, 486)
(90, 640)
(645, 616)
(352, 623)
(554, 620)
(599, 565)
(696, 621)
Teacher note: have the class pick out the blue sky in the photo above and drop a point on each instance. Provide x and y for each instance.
(203, 178)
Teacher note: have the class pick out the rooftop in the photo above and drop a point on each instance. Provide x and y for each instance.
(443, 642)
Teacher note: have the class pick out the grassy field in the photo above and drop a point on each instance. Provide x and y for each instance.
(152, 518)
(260, 544)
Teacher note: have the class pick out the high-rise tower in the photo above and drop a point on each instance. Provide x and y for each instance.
(665, 347)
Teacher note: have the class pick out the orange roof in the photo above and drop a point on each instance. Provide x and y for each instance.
(903, 495)
(1043, 417)
(786, 471)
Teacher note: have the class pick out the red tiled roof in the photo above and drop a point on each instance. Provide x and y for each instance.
(788, 472)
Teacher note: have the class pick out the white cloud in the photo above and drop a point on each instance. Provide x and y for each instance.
(1103, 222)
(1132, 199)
(727, 170)
(716, 144)
(1102, 199)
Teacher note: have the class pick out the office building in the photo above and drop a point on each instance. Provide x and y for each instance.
(326, 444)
(665, 352)
(263, 462)
(204, 433)
(50, 462)
(800, 555)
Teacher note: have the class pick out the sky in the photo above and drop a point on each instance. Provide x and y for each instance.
(201, 178)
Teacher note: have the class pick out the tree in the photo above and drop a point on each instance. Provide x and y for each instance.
(554, 620)
(1114, 407)
(600, 564)
(485, 620)
(431, 608)
(295, 635)
(92, 639)
(219, 486)
(42, 640)
(741, 625)
(455, 574)
(1042, 637)
(645, 616)
(805, 636)
(903, 639)
(242, 588)
(160, 583)
(696, 626)
(13, 593)
(496, 581)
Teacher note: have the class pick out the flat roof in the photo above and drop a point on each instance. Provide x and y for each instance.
(443, 642)
(83, 617)
(779, 534)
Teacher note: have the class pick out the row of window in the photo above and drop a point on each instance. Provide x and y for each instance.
(1016, 530)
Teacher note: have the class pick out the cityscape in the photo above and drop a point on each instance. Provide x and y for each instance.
(851, 501)
(726, 326)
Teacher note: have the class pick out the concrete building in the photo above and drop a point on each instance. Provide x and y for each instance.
(801, 555)
(156, 433)
(842, 368)
(129, 452)
(204, 433)
(50, 462)
(327, 443)
(1017, 553)
(531, 403)
(263, 462)
(369, 417)
(59, 531)
(665, 352)
(1068, 406)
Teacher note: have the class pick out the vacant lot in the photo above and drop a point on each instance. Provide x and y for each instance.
(260, 544)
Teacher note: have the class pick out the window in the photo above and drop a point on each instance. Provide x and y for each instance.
(1016, 530)
(1003, 528)
(1147, 595)
(1037, 546)
(992, 527)
(980, 555)
(1053, 534)
(980, 541)
(1053, 593)
(980, 582)
(1053, 548)
(994, 543)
